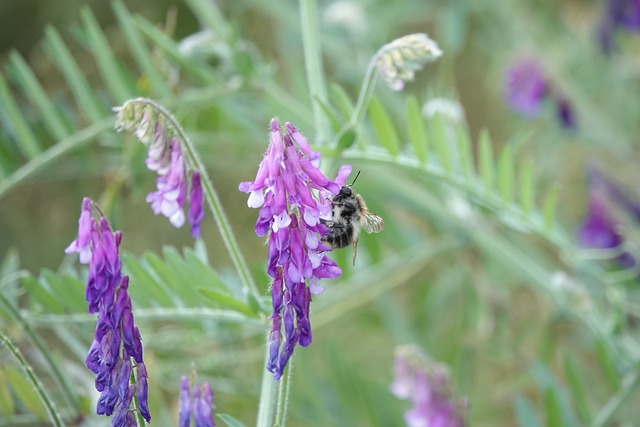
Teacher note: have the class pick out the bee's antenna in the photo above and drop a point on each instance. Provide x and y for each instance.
(354, 179)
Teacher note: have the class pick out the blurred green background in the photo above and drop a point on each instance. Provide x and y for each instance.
(427, 279)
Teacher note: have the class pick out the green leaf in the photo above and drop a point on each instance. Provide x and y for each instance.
(466, 154)
(16, 124)
(330, 114)
(341, 100)
(67, 290)
(230, 421)
(574, 378)
(553, 415)
(40, 292)
(224, 300)
(486, 167)
(527, 193)
(442, 143)
(416, 129)
(525, 412)
(347, 139)
(140, 53)
(107, 63)
(85, 97)
(506, 174)
(196, 68)
(24, 391)
(607, 364)
(549, 208)
(384, 128)
(7, 406)
(144, 288)
(26, 79)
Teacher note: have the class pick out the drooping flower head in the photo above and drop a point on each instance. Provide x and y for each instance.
(117, 345)
(294, 198)
(426, 384)
(197, 405)
(178, 181)
(398, 61)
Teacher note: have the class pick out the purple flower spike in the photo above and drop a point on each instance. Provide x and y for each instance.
(526, 87)
(200, 404)
(116, 345)
(294, 198)
(196, 200)
(426, 384)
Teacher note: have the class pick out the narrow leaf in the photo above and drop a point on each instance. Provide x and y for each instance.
(67, 290)
(39, 291)
(525, 412)
(84, 95)
(196, 68)
(442, 143)
(107, 63)
(347, 139)
(330, 114)
(26, 79)
(7, 407)
(466, 155)
(506, 174)
(16, 124)
(552, 412)
(607, 365)
(416, 129)
(144, 288)
(527, 192)
(140, 53)
(24, 391)
(383, 126)
(549, 207)
(486, 167)
(230, 421)
(224, 300)
(574, 378)
(208, 14)
(342, 101)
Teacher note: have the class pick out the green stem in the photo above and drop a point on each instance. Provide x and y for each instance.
(629, 385)
(366, 90)
(215, 205)
(44, 352)
(63, 147)
(283, 395)
(313, 64)
(140, 421)
(267, 395)
(54, 417)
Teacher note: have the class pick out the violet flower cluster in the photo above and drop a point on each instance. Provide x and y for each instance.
(197, 405)
(293, 197)
(617, 15)
(177, 183)
(426, 384)
(527, 88)
(600, 229)
(117, 347)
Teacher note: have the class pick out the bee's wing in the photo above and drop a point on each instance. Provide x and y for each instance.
(372, 223)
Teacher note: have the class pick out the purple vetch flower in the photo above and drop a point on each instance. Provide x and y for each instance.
(426, 384)
(294, 197)
(199, 404)
(117, 345)
(526, 87)
(600, 229)
(617, 15)
(178, 181)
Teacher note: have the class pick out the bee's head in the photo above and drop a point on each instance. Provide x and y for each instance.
(345, 190)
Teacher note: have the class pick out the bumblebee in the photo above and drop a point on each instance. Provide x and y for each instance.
(349, 215)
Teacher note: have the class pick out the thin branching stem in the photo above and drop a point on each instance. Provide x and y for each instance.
(34, 338)
(54, 416)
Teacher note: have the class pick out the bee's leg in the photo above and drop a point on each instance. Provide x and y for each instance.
(355, 251)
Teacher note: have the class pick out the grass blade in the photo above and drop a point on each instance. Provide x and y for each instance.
(15, 122)
(384, 128)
